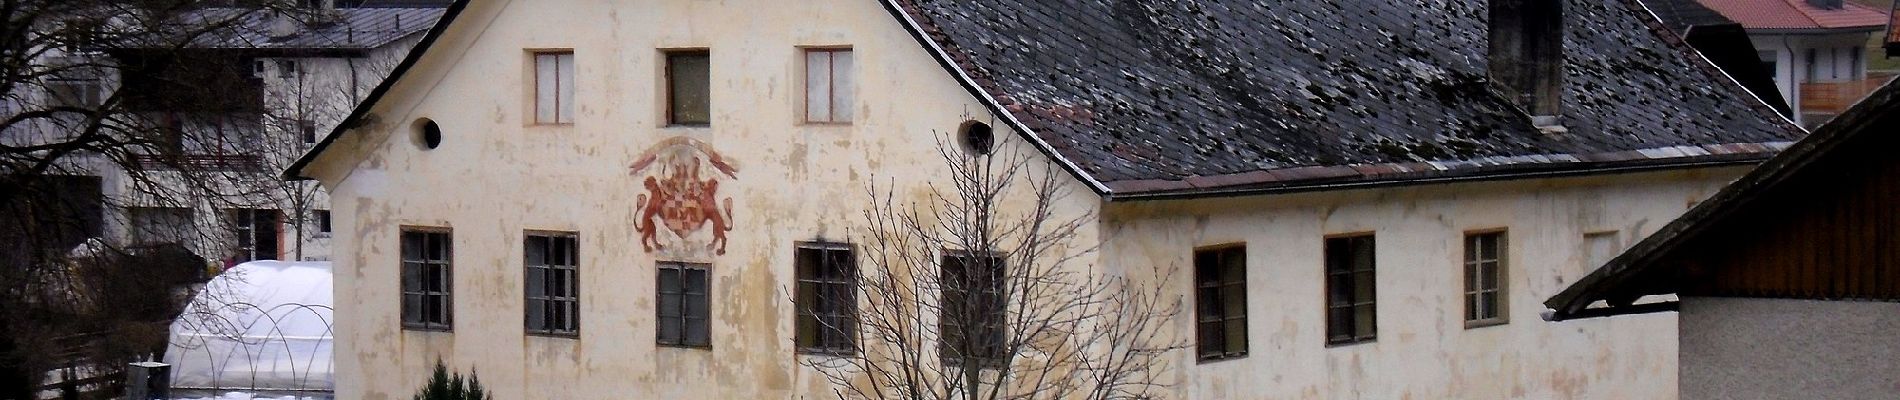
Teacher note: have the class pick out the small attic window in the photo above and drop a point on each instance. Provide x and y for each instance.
(427, 134)
(977, 138)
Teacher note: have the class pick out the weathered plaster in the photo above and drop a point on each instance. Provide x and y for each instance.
(1742, 348)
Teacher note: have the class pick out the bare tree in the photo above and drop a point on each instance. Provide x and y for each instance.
(986, 290)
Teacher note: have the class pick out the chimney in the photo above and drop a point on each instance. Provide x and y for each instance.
(1526, 56)
(1826, 4)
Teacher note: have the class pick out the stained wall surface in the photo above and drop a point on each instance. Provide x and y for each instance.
(1758, 348)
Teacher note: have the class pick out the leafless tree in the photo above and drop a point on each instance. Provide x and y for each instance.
(986, 290)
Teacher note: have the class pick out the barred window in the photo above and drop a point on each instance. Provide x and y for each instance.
(1220, 277)
(427, 280)
(553, 280)
(827, 298)
(684, 307)
(1351, 315)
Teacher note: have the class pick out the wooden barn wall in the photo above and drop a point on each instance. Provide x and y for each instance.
(1829, 234)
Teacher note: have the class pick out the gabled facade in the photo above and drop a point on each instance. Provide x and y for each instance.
(1394, 188)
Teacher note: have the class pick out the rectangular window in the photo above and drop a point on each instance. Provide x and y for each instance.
(685, 307)
(156, 225)
(1813, 65)
(322, 220)
(553, 278)
(1485, 296)
(427, 284)
(1220, 291)
(688, 88)
(286, 69)
(554, 88)
(828, 85)
(256, 234)
(827, 298)
(970, 328)
(1854, 68)
(308, 130)
(1350, 291)
(78, 93)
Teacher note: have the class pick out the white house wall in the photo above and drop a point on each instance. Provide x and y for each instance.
(1749, 348)
(1423, 350)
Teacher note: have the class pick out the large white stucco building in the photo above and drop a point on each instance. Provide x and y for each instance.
(1389, 188)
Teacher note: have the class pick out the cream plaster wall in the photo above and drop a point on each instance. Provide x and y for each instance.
(496, 174)
(1423, 350)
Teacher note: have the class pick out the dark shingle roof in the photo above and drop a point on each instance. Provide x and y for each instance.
(1151, 96)
(1679, 15)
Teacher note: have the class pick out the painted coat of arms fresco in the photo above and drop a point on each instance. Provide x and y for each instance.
(682, 178)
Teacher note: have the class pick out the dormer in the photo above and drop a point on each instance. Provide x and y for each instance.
(1525, 59)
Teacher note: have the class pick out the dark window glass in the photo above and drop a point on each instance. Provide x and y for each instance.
(685, 310)
(827, 299)
(553, 284)
(1350, 313)
(1220, 280)
(323, 221)
(1484, 279)
(256, 232)
(689, 93)
(973, 310)
(426, 280)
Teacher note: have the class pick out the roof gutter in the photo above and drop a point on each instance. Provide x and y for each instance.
(1558, 171)
(989, 102)
(295, 171)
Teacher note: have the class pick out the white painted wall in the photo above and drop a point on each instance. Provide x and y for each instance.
(1749, 348)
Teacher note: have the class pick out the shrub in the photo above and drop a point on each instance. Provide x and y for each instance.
(443, 386)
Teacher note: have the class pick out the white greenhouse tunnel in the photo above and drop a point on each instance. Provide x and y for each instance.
(261, 326)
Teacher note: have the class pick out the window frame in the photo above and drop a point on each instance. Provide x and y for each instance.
(571, 296)
(534, 69)
(831, 76)
(668, 86)
(684, 318)
(1354, 304)
(843, 314)
(446, 265)
(1000, 289)
(1474, 263)
(323, 222)
(1217, 285)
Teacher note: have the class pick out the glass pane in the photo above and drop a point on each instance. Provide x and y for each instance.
(669, 280)
(1236, 335)
(1490, 276)
(1339, 323)
(1364, 321)
(1234, 265)
(1471, 277)
(566, 88)
(438, 246)
(669, 305)
(411, 246)
(438, 308)
(1494, 243)
(537, 282)
(1206, 268)
(1471, 307)
(1471, 248)
(807, 297)
(431, 277)
(1339, 290)
(1362, 290)
(670, 330)
(690, 93)
(536, 250)
(694, 280)
(807, 331)
(1212, 338)
(1235, 298)
(1362, 253)
(546, 84)
(843, 87)
(1490, 301)
(807, 261)
(697, 306)
(818, 86)
(698, 332)
(411, 277)
(1210, 303)
(537, 312)
(412, 308)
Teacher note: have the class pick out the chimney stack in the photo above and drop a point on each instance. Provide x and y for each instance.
(1525, 58)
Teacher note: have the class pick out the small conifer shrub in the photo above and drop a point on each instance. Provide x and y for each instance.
(443, 386)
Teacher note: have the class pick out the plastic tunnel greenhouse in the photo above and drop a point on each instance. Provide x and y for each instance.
(262, 326)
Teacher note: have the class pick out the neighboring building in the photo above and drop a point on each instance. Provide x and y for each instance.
(1817, 48)
(1789, 279)
(236, 108)
(1893, 31)
(1725, 43)
(1385, 186)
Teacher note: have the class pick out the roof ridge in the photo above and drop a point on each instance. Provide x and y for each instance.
(1798, 6)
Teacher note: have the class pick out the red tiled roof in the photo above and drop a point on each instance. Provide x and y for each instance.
(1797, 14)
(1893, 35)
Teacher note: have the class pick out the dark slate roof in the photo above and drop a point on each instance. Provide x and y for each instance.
(1181, 97)
(1679, 15)
(1642, 271)
(347, 29)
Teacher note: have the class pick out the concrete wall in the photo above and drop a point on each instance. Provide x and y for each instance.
(1424, 350)
(1742, 348)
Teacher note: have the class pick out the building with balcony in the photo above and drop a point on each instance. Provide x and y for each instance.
(1817, 50)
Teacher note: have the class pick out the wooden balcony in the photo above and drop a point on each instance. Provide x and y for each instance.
(198, 162)
(1834, 97)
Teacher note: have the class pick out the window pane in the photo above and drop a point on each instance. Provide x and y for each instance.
(536, 250)
(1362, 290)
(1236, 340)
(1490, 302)
(689, 92)
(818, 86)
(1338, 324)
(669, 280)
(807, 262)
(670, 305)
(537, 282)
(1489, 275)
(438, 246)
(1471, 277)
(1234, 298)
(546, 88)
(565, 103)
(1471, 307)
(807, 330)
(1364, 323)
(1211, 338)
(536, 313)
(670, 330)
(843, 88)
(698, 332)
(411, 277)
(697, 306)
(438, 309)
(411, 308)
(1339, 289)
(411, 246)
(693, 281)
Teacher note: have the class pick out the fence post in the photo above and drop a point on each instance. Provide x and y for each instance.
(148, 381)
